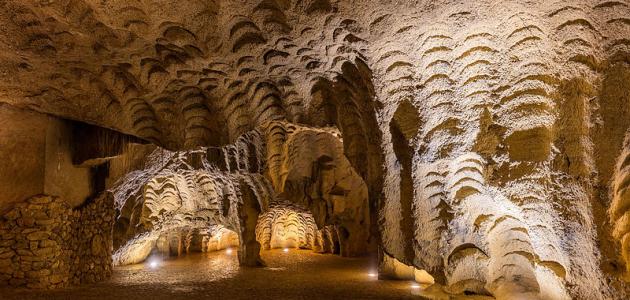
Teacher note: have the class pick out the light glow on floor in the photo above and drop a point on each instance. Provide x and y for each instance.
(153, 264)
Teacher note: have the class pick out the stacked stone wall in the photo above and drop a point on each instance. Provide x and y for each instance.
(44, 243)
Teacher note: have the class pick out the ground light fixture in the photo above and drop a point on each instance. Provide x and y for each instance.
(154, 263)
(228, 251)
(285, 250)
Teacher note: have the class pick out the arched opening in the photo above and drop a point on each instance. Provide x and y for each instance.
(348, 103)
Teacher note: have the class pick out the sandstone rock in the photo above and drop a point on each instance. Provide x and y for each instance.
(17, 281)
(44, 252)
(12, 215)
(7, 243)
(57, 278)
(38, 274)
(40, 200)
(45, 222)
(47, 243)
(36, 266)
(7, 253)
(97, 245)
(5, 263)
(38, 235)
(34, 207)
(33, 245)
(24, 252)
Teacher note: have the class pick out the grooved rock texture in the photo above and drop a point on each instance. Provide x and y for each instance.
(308, 167)
(620, 206)
(218, 238)
(47, 244)
(211, 198)
(484, 142)
(285, 225)
(178, 196)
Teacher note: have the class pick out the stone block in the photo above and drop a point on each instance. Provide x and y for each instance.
(36, 285)
(32, 258)
(38, 235)
(28, 230)
(24, 252)
(40, 200)
(26, 222)
(32, 207)
(57, 278)
(19, 274)
(17, 282)
(12, 215)
(38, 265)
(44, 252)
(47, 243)
(7, 243)
(5, 263)
(38, 274)
(7, 254)
(46, 222)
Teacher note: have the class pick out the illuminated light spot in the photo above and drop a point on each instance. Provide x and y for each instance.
(415, 286)
(285, 250)
(372, 274)
(154, 264)
(228, 251)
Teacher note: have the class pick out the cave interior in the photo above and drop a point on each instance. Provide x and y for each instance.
(438, 149)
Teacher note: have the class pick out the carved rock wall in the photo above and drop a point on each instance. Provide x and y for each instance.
(174, 197)
(489, 135)
(307, 167)
(219, 238)
(286, 225)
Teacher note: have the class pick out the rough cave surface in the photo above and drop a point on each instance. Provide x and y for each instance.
(483, 146)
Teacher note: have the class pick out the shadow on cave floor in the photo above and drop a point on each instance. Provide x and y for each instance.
(298, 274)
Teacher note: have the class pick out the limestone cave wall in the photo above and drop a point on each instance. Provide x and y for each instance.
(176, 202)
(482, 142)
(286, 225)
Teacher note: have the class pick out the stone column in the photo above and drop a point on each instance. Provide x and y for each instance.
(249, 209)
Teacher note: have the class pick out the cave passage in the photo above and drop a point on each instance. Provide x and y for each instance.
(315, 149)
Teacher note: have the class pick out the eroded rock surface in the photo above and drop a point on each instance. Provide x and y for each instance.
(484, 142)
(184, 201)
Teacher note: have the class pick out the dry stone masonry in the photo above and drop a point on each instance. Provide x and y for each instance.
(47, 244)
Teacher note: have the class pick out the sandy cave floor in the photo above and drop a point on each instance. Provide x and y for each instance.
(298, 274)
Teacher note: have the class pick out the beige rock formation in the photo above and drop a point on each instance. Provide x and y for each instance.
(482, 142)
(308, 167)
